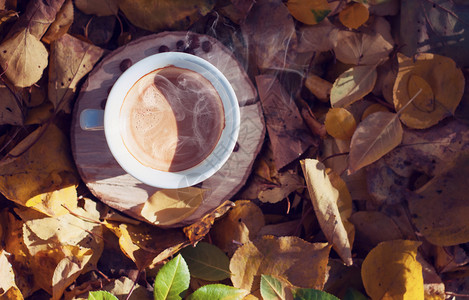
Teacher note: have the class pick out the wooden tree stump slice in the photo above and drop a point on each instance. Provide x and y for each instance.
(101, 172)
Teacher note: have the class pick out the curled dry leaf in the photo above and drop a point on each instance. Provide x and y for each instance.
(71, 59)
(22, 55)
(325, 199)
(374, 137)
(163, 14)
(168, 207)
(433, 74)
(309, 11)
(262, 256)
(99, 8)
(352, 85)
(439, 208)
(362, 48)
(48, 177)
(62, 23)
(354, 15)
(340, 123)
(318, 87)
(240, 226)
(391, 271)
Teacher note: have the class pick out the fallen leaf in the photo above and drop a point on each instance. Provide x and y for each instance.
(170, 206)
(309, 11)
(372, 109)
(275, 288)
(436, 26)
(352, 85)
(22, 55)
(155, 15)
(325, 202)
(434, 287)
(207, 262)
(218, 291)
(8, 288)
(361, 48)
(101, 295)
(341, 278)
(374, 137)
(11, 108)
(270, 32)
(439, 207)
(284, 256)
(124, 286)
(48, 177)
(320, 37)
(288, 134)
(71, 59)
(172, 280)
(287, 184)
(99, 8)
(354, 15)
(145, 244)
(62, 23)
(391, 271)
(340, 123)
(305, 294)
(384, 7)
(241, 225)
(433, 74)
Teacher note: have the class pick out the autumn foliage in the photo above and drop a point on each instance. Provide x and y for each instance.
(359, 190)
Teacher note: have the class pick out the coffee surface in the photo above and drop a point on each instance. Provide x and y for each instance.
(172, 119)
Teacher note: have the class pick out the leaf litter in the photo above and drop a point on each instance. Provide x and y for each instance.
(305, 58)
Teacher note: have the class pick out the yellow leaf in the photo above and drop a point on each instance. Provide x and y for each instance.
(155, 15)
(439, 208)
(325, 199)
(433, 74)
(374, 137)
(168, 207)
(361, 48)
(239, 226)
(352, 85)
(46, 169)
(99, 8)
(391, 271)
(309, 11)
(285, 257)
(71, 59)
(62, 23)
(340, 123)
(372, 109)
(354, 15)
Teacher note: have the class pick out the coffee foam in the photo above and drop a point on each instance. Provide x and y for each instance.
(172, 119)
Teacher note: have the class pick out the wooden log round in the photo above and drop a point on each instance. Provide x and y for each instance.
(103, 175)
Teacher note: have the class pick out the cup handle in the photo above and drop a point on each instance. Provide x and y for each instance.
(92, 119)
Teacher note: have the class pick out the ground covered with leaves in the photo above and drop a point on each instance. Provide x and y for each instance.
(359, 191)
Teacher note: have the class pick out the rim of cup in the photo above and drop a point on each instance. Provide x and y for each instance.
(198, 173)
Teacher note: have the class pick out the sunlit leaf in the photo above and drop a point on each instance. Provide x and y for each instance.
(263, 256)
(274, 288)
(309, 11)
(207, 262)
(241, 225)
(374, 137)
(324, 198)
(354, 15)
(7, 276)
(62, 23)
(439, 208)
(352, 85)
(101, 295)
(361, 48)
(433, 74)
(391, 271)
(170, 206)
(218, 292)
(172, 280)
(340, 123)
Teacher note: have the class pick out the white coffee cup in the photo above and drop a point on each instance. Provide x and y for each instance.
(109, 120)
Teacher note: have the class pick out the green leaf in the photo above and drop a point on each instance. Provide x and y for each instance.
(312, 294)
(353, 294)
(101, 295)
(273, 288)
(218, 292)
(207, 262)
(172, 280)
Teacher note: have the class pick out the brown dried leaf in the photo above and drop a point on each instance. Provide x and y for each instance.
(374, 137)
(325, 199)
(320, 37)
(288, 134)
(99, 8)
(10, 107)
(71, 59)
(287, 184)
(263, 256)
(62, 23)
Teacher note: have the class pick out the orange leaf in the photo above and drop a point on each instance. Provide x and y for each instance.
(309, 12)
(340, 123)
(354, 15)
